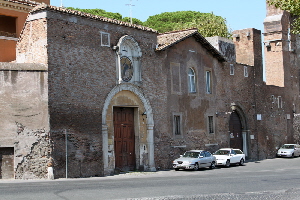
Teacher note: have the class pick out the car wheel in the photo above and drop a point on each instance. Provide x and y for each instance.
(176, 169)
(196, 167)
(293, 155)
(242, 162)
(227, 164)
(212, 165)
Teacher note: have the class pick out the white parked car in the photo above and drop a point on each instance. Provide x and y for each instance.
(289, 150)
(229, 156)
(195, 159)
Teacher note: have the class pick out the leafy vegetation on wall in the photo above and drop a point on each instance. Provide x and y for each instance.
(293, 7)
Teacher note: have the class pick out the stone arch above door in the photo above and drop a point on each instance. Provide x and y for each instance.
(134, 98)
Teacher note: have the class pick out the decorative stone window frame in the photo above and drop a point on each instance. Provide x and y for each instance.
(105, 39)
(128, 48)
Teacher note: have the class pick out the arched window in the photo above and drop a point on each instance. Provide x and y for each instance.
(192, 80)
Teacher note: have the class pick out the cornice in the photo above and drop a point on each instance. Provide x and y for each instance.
(9, 5)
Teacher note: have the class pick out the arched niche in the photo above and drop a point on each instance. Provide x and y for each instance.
(128, 60)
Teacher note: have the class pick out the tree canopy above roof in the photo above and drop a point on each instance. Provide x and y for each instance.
(207, 24)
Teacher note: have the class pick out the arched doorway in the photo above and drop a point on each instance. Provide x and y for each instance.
(235, 129)
(238, 129)
(127, 130)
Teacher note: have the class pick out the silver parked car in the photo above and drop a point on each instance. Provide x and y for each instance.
(289, 150)
(195, 159)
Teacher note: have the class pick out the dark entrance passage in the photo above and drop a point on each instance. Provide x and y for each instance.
(235, 128)
(6, 163)
(124, 138)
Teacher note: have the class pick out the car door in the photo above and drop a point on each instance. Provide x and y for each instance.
(234, 157)
(202, 159)
(209, 158)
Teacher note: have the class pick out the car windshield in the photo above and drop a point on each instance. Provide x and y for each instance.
(190, 154)
(288, 146)
(222, 152)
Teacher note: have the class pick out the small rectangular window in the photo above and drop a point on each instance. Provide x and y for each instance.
(105, 39)
(177, 127)
(258, 117)
(273, 98)
(279, 102)
(211, 124)
(208, 82)
(245, 71)
(231, 69)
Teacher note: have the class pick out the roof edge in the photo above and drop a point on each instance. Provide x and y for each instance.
(44, 6)
(200, 39)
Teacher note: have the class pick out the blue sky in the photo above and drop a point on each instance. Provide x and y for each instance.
(240, 14)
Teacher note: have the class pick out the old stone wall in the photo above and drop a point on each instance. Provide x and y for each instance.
(82, 72)
(81, 69)
(33, 148)
(32, 44)
(193, 108)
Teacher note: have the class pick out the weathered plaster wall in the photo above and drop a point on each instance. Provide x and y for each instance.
(23, 102)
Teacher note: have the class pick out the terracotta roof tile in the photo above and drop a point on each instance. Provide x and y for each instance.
(169, 39)
(24, 2)
(43, 6)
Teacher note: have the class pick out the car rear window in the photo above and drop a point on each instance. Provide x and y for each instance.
(287, 146)
(222, 152)
(238, 151)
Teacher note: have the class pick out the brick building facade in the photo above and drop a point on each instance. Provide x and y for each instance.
(102, 96)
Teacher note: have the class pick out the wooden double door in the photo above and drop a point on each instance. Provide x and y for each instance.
(235, 129)
(124, 138)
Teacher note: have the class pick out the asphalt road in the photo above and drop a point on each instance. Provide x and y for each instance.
(268, 179)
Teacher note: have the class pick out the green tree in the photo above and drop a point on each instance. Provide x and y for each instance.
(99, 12)
(293, 7)
(134, 20)
(208, 24)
